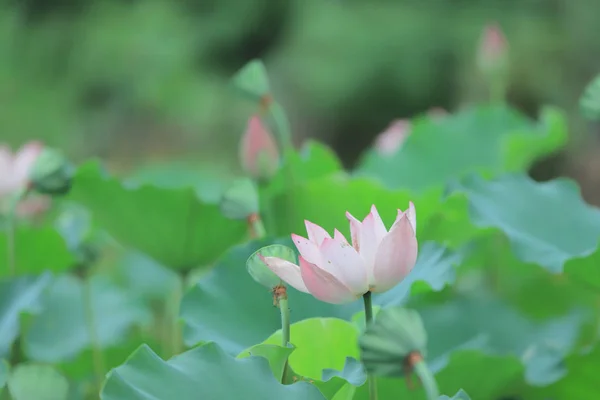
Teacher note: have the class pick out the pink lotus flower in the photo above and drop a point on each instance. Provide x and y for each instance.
(258, 150)
(389, 141)
(336, 272)
(493, 49)
(14, 176)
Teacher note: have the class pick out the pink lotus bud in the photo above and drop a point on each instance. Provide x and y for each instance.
(390, 141)
(14, 176)
(258, 150)
(493, 49)
(337, 271)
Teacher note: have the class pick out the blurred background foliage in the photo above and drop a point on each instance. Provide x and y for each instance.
(138, 81)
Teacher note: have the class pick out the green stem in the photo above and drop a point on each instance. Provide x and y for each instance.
(176, 344)
(257, 227)
(10, 229)
(369, 319)
(285, 330)
(10, 245)
(427, 380)
(97, 356)
(497, 90)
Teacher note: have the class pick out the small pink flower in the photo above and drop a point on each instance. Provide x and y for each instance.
(389, 141)
(335, 271)
(258, 150)
(14, 176)
(493, 48)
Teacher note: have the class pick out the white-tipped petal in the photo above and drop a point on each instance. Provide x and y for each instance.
(315, 233)
(286, 271)
(355, 227)
(307, 248)
(339, 236)
(396, 256)
(371, 233)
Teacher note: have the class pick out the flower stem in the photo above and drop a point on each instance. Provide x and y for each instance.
(175, 340)
(10, 229)
(97, 356)
(369, 319)
(257, 228)
(280, 293)
(427, 379)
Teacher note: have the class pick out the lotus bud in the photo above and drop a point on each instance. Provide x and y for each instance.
(386, 344)
(492, 57)
(52, 173)
(259, 154)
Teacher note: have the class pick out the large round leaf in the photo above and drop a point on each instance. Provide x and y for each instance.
(61, 330)
(320, 343)
(18, 295)
(227, 298)
(474, 139)
(35, 381)
(333, 383)
(205, 372)
(173, 226)
(35, 251)
(548, 223)
(325, 201)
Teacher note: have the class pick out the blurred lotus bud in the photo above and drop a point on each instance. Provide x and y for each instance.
(492, 57)
(252, 80)
(390, 141)
(14, 180)
(258, 151)
(240, 200)
(393, 336)
(258, 269)
(52, 173)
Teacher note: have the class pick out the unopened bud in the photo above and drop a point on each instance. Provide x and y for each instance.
(240, 200)
(52, 173)
(492, 57)
(390, 141)
(388, 342)
(258, 269)
(259, 155)
(252, 80)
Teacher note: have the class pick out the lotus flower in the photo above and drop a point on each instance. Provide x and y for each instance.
(389, 141)
(493, 49)
(335, 271)
(14, 176)
(258, 150)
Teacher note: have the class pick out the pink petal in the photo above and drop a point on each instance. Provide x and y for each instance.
(396, 256)
(339, 236)
(343, 262)
(371, 233)
(315, 233)
(323, 285)
(355, 227)
(25, 159)
(286, 271)
(308, 249)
